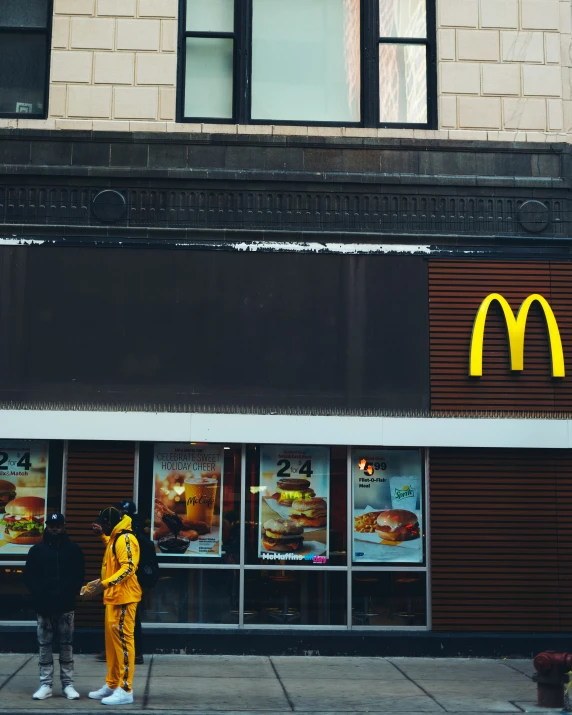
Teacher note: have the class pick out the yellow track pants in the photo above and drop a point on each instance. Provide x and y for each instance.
(120, 645)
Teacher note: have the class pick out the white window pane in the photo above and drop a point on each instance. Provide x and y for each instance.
(208, 78)
(210, 15)
(402, 18)
(306, 60)
(402, 84)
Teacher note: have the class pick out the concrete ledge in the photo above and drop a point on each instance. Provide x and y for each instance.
(372, 643)
(287, 429)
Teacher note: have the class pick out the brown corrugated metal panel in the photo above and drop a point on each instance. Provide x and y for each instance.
(456, 290)
(563, 462)
(561, 301)
(98, 474)
(501, 540)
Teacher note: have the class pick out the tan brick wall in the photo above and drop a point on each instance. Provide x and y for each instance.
(504, 71)
(504, 65)
(114, 64)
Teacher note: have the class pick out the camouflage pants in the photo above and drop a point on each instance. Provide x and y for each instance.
(59, 625)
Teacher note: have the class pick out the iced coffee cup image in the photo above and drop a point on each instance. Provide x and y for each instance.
(200, 498)
(405, 492)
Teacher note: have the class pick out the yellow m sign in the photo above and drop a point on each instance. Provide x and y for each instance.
(516, 328)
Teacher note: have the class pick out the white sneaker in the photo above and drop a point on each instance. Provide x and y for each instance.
(119, 697)
(43, 692)
(103, 692)
(71, 693)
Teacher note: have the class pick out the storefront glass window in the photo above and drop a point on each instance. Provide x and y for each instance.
(296, 505)
(387, 493)
(190, 496)
(193, 596)
(295, 598)
(15, 602)
(395, 598)
(251, 535)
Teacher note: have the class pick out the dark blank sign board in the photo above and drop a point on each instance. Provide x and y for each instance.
(185, 329)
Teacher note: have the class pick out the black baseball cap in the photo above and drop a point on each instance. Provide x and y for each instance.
(56, 519)
(109, 515)
(128, 507)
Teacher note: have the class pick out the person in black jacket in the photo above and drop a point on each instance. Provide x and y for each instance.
(54, 574)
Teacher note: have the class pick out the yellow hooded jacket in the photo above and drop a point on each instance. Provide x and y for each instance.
(118, 573)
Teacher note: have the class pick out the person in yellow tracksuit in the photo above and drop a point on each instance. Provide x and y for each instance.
(121, 594)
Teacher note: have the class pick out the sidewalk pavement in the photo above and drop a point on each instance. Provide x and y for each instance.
(280, 685)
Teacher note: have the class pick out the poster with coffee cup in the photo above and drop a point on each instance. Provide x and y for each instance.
(23, 494)
(294, 490)
(187, 484)
(387, 506)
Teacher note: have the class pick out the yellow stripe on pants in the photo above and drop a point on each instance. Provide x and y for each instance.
(120, 645)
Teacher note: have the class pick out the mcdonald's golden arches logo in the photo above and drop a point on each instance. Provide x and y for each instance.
(516, 328)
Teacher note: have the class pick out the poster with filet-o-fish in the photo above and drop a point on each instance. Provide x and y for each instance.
(387, 506)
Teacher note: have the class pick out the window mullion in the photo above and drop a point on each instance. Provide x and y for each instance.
(28, 30)
(403, 41)
(216, 35)
(432, 117)
(181, 60)
(241, 83)
(370, 63)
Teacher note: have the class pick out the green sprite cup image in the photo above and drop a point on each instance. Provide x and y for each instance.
(405, 492)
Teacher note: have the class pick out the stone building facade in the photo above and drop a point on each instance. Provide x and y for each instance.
(189, 259)
(504, 69)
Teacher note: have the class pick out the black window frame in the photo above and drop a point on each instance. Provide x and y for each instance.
(47, 31)
(370, 42)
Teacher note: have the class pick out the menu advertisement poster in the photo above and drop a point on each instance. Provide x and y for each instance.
(294, 516)
(23, 494)
(188, 482)
(387, 506)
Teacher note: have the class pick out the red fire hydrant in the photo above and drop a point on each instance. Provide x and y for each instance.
(551, 674)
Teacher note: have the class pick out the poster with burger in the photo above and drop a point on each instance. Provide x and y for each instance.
(294, 492)
(23, 493)
(387, 506)
(187, 488)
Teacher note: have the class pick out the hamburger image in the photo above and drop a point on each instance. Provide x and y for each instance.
(282, 535)
(291, 489)
(23, 521)
(310, 512)
(7, 493)
(397, 525)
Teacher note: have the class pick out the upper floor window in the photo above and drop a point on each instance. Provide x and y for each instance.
(24, 57)
(340, 62)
